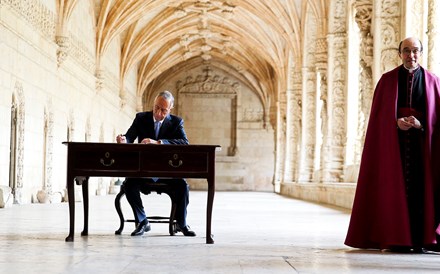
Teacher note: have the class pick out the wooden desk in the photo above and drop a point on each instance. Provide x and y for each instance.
(86, 160)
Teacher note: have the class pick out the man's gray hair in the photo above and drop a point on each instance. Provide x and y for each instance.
(167, 96)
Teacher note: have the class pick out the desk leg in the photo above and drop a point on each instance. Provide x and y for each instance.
(211, 190)
(71, 198)
(85, 192)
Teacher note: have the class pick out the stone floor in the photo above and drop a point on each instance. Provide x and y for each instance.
(253, 232)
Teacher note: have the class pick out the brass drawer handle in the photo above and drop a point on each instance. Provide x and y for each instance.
(107, 155)
(170, 162)
(175, 157)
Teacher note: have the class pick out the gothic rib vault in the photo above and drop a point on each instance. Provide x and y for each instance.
(253, 38)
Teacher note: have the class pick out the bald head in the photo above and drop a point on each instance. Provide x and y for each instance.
(410, 49)
(410, 40)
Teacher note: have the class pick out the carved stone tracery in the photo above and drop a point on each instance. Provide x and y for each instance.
(18, 112)
(209, 86)
(363, 18)
(335, 141)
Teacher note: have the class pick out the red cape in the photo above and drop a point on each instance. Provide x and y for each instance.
(380, 218)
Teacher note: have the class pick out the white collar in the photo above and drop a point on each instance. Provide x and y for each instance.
(411, 70)
(160, 122)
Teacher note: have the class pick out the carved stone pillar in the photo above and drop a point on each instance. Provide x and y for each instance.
(18, 161)
(281, 140)
(433, 36)
(49, 151)
(387, 35)
(309, 128)
(335, 140)
(321, 68)
(363, 14)
(293, 127)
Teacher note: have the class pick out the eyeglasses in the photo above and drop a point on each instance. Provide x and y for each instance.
(415, 51)
(162, 110)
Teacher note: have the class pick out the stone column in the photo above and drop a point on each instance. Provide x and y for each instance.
(433, 36)
(387, 35)
(293, 129)
(280, 139)
(335, 139)
(287, 176)
(363, 14)
(309, 127)
(321, 68)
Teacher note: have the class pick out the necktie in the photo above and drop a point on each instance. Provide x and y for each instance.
(156, 133)
(156, 128)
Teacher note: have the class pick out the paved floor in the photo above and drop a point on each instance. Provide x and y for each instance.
(253, 232)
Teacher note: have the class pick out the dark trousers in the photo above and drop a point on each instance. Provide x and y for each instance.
(134, 186)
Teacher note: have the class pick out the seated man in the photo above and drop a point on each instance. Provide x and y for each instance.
(157, 127)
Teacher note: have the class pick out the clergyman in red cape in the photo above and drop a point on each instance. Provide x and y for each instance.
(396, 205)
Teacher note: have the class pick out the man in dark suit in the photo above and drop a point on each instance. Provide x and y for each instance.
(157, 127)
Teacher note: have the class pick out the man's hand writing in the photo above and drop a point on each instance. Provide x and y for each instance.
(121, 139)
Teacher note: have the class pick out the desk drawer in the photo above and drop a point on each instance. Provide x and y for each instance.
(106, 160)
(175, 162)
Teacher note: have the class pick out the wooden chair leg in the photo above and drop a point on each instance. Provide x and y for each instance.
(172, 225)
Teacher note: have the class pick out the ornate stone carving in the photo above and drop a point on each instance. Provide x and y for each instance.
(203, 6)
(44, 21)
(82, 54)
(295, 110)
(321, 54)
(363, 17)
(100, 77)
(417, 25)
(63, 43)
(43, 195)
(19, 107)
(203, 9)
(307, 162)
(123, 98)
(363, 14)
(338, 24)
(389, 34)
(334, 143)
(36, 14)
(390, 8)
(433, 35)
(208, 84)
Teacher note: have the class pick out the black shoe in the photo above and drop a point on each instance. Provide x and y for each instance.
(186, 231)
(419, 250)
(142, 227)
(401, 249)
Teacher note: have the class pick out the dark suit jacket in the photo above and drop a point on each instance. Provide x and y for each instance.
(171, 131)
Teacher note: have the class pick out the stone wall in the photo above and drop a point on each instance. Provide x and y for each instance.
(49, 95)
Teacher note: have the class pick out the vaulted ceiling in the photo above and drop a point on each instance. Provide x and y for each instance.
(252, 39)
